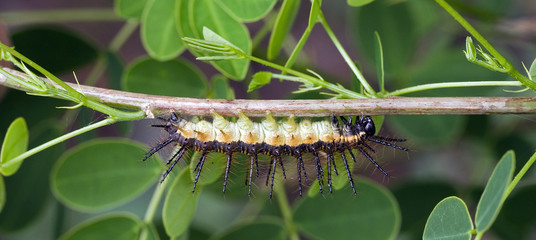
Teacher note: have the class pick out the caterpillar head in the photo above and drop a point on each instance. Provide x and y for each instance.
(367, 125)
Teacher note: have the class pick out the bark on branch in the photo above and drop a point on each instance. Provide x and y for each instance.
(154, 105)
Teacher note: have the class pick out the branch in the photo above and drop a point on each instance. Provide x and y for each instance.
(155, 105)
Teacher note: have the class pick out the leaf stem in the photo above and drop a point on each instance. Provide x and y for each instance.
(299, 46)
(155, 201)
(473, 32)
(431, 86)
(152, 208)
(78, 96)
(57, 140)
(345, 56)
(153, 105)
(286, 212)
(510, 70)
(520, 175)
(315, 81)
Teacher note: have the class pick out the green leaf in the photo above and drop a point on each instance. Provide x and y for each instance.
(532, 70)
(259, 79)
(172, 78)
(415, 213)
(211, 36)
(180, 204)
(315, 10)
(159, 34)
(378, 53)
(494, 194)
(258, 229)
(283, 23)
(129, 8)
(100, 174)
(182, 19)
(247, 10)
(208, 14)
(373, 214)
(57, 50)
(358, 3)
(114, 226)
(221, 88)
(213, 167)
(15, 144)
(450, 220)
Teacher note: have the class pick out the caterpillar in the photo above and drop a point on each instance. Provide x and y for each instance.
(275, 139)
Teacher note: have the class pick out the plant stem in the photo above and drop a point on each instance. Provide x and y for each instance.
(473, 32)
(101, 64)
(346, 57)
(520, 175)
(62, 94)
(57, 140)
(505, 63)
(431, 86)
(155, 201)
(152, 208)
(154, 105)
(299, 46)
(521, 78)
(80, 97)
(286, 212)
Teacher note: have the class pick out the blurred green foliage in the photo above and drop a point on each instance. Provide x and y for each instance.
(450, 155)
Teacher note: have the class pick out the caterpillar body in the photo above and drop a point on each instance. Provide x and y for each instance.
(275, 139)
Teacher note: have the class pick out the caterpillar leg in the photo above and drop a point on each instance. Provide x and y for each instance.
(198, 168)
(227, 167)
(248, 179)
(330, 156)
(367, 146)
(278, 155)
(373, 162)
(348, 171)
(158, 147)
(177, 157)
(273, 175)
(319, 172)
(299, 165)
(303, 168)
(389, 139)
(373, 139)
(329, 173)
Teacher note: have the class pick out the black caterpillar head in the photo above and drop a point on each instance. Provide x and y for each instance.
(170, 123)
(364, 126)
(367, 126)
